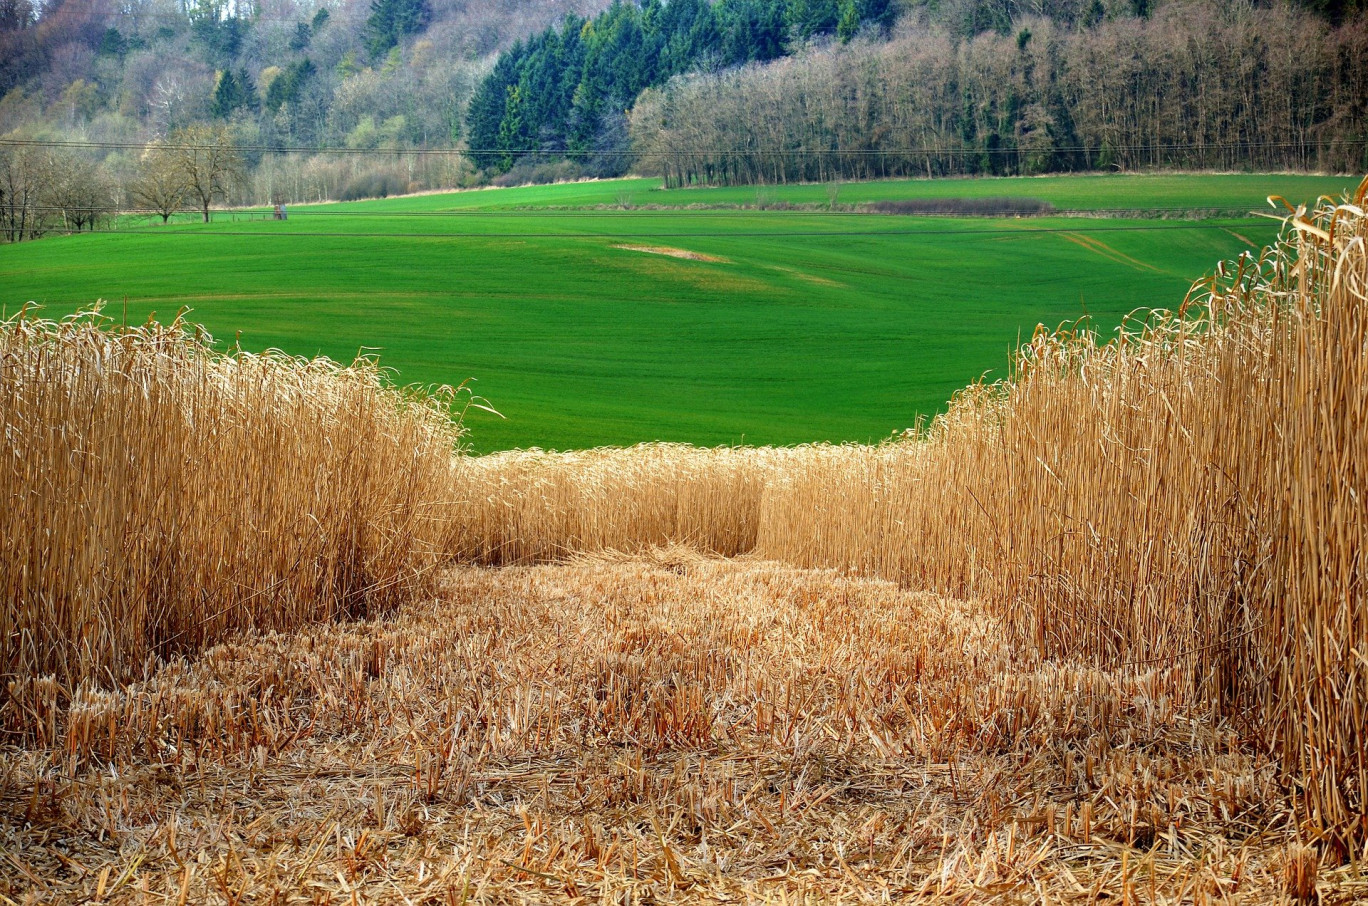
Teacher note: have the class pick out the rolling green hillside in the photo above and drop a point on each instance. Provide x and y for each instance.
(583, 328)
(1163, 195)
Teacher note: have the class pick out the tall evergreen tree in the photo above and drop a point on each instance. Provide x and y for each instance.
(225, 95)
(392, 20)
(234, 91)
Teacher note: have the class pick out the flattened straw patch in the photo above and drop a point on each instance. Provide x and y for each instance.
(669, 252)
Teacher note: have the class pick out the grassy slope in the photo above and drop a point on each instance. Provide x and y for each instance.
(1175, 193)
(804, 332)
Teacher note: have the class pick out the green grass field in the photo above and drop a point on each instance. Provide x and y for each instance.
(1169, 194)
(804, 327)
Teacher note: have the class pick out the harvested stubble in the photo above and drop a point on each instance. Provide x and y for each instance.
(159, 496)
(669, 729)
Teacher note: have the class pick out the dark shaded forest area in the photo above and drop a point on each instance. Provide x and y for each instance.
(566, 91)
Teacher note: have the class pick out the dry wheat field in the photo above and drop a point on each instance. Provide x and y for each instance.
(1099, 634)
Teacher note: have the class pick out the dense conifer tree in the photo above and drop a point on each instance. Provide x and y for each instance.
(392, 20)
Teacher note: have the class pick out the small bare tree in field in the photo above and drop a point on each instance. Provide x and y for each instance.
(160, 185)
(79, 191)
(207, 162)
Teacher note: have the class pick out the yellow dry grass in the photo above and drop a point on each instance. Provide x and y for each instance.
(661, 729)
(528, 506)
(158, 496)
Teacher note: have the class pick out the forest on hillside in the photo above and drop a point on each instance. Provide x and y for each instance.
(356, 75)
(757, 91)
(1194, 86)
(566, 92)
(338, 98)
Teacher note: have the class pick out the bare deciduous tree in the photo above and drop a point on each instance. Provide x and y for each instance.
(160, 184)
(77, 191)
(23, 182)
(208, 163)
(1187, 87)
